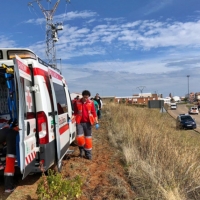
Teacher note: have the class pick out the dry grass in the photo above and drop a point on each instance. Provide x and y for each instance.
(161, 162)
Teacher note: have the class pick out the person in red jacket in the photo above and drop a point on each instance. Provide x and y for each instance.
(85, 113)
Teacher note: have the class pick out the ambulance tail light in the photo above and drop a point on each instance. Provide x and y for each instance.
(43, 127)
(42, 162)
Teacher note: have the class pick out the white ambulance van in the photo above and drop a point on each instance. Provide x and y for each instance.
(37, 97)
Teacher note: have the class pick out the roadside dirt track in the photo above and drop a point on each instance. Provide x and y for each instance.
(104, 176)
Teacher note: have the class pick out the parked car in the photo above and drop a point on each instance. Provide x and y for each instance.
(194, 110)
(185, 121)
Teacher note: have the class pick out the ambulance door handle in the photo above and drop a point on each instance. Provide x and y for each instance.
(68, 118)
(28, 128)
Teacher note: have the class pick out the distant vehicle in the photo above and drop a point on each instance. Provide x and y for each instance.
(173, 106)
(176, 99)
(185, 121)
(166, 100)
(194, 110)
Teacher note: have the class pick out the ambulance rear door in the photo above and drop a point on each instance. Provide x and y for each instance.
(26, 116)
(61, 124)
(71, 117)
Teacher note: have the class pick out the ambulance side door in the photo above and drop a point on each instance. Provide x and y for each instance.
(71, 117)
(61, 124)
(26, 116)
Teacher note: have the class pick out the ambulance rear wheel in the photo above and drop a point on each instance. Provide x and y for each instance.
(54, 167)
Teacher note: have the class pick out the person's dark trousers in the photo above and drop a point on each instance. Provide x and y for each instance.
(99, 114)
(84, 139)
(9, 136)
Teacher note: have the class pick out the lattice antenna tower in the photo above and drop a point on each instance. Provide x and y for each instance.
(51, 31)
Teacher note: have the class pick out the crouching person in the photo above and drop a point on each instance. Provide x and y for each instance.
(8, 136)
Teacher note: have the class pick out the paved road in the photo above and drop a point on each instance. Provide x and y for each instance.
(182, 109)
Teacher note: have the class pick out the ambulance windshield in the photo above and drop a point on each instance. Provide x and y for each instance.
(23, 54)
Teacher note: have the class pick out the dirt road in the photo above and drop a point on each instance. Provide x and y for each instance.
(104, 176)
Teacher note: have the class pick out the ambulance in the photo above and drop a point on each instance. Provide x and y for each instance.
(35, 95)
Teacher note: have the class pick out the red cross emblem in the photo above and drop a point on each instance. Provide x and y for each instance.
(28, 100)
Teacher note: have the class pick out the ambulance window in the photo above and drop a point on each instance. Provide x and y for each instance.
(72, 105)
(60, 98)
(49, 90)
(23, 54)
(28, 95)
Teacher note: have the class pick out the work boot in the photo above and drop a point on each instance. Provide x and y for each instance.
(9, 184)
(89, 157)
(88, 154)
(9, 190)
(82, 152)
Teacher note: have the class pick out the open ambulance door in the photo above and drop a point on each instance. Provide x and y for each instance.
(61, 124)
(71, 116)
(26, 116)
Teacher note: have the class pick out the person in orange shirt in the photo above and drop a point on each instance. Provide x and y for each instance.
(86, 116)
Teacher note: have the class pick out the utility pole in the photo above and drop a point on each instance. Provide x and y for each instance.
(51, 31)
(188, 76)
(141, 88)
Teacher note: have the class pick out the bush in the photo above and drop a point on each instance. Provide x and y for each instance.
(55, 186)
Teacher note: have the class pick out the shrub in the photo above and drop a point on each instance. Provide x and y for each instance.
(55, 186)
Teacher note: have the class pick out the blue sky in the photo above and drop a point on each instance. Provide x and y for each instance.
(114, 46)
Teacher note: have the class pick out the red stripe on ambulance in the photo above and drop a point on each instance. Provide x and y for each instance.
(55, 75)
(63, 129)
(23, 67)
(40, 72)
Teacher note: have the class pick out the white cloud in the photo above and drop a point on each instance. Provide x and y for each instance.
(6, 42)
(153, 34)
(155, 6)
(91, 21)
(39, 49)
(64, 17)
(82, 14)
(37, 21)
(138, 35)
(72, 74)
(143, 35)
(138, 67)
